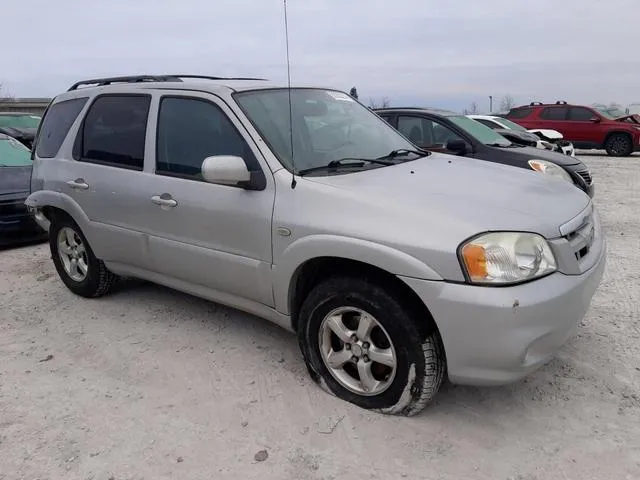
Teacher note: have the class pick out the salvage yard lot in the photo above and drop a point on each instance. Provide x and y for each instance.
(151, 383)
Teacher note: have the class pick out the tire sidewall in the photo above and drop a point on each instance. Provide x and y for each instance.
(626, 152)
(89, 284)
(399, 325)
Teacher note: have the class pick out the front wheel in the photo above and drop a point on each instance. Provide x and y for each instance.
(363, 345)
(619, 145)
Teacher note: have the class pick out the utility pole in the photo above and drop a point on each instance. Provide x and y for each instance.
(490, 103)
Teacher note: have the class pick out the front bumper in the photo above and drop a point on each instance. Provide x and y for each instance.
(494, 336)
(18, 225)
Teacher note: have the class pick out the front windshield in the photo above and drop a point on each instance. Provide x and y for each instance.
(327, 126)
(13, 153)
(19, 121)
(480, 132)
(610, 113)
(511, 125)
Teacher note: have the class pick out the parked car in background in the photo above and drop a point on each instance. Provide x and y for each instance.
(19, 125)
(382, 260)
(541, 138)
(586, 127)
(450, 132)
(16, 222)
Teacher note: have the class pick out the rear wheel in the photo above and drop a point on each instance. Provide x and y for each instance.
(363, 345)
(619, 145)
(77, 266)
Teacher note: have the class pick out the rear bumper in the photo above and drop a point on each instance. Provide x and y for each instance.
(495, 336)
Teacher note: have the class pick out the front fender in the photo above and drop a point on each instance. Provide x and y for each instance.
(315, 246)
(45, 198)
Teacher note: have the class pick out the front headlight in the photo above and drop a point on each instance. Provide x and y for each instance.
(550, 169)
(502, 258)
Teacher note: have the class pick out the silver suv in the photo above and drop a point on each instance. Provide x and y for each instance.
(393, 265)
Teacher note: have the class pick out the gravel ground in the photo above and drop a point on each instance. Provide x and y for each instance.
(151, 383)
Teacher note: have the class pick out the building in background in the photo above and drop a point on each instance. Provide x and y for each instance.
(35, 106)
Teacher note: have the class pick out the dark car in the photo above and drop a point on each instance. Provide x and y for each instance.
(16, 222)
(449, 132)
(587, 127)
(20, 125)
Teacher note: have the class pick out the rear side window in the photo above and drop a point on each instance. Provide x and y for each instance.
(488, 123)
(554, 113)
(580, 114)
(114, 131)
(55, 126)
(519, 112)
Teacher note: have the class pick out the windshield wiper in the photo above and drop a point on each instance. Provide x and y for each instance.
(501, 145)
(404, 151)
(345, 162)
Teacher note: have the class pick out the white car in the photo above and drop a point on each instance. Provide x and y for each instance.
(549, 139)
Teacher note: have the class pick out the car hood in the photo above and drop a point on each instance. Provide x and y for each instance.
(526, 136)
(474, 195)
(15, 181)
(550, 134)
(528, 153)
(633, 118)
(27, 133)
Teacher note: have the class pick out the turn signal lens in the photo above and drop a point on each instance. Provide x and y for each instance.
(507, 257)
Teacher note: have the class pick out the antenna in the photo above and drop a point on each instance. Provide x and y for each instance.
(286, 35)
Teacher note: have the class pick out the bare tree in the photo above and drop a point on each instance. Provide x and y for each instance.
(507, 103)
(384, 102)
(4, 95)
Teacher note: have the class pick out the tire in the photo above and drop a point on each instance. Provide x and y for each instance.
(619, 145)
(90, 278)
(419, 357)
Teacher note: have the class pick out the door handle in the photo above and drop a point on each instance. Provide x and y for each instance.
(78, 184)
(164, 200)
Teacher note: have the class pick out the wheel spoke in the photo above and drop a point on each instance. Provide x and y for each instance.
(383, 356)
(80, 248)
(339, 328)
(71, 237)
(64, 248)
(339, 358)
(82, 266)
(367, 380)
(73, 267)
(365, 325)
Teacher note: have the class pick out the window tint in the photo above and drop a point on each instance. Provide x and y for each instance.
(55, 126)
(580, 114)
(425, 132)
(190, 130)
(114, 131)
(554, 113)
(519, 112)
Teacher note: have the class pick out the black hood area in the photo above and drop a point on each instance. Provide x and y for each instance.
(516, 135)
(529, 153)
(23, 135)
(14, 181)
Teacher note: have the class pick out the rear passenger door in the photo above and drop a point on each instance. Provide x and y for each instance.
(109, 158)
(208, 235)
(555, 118)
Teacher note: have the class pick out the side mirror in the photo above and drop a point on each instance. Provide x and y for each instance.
(595, 119)
(226, 170)
(457, 145)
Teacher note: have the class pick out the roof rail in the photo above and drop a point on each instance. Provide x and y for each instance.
(561, 102)
(99, 82)
(532, 104)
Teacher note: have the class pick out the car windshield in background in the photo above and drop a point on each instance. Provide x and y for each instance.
(327, 126)
(13, 153)
(480, 132)
(511, 125)
(610, 113)
(19, 121)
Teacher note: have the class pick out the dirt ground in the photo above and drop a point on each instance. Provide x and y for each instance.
(150, 383)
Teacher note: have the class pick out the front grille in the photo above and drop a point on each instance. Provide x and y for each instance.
(582, 238)
(586, 176)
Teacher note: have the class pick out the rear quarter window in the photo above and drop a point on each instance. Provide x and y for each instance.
(519, 112)
(55, 126)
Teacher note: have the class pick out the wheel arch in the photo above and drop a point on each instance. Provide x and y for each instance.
(51, 204)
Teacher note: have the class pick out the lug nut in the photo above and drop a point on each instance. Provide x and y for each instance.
(354, 358)
(348, 346)
(354, 337)
(366, 358)
(365, 345)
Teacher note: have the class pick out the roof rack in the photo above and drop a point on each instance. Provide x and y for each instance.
(100, 82)
(561, 102)
(533, 104)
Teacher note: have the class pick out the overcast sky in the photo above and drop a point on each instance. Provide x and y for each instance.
(443, 53)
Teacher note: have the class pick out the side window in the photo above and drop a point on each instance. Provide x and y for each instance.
(114, 131)
(388, 119)
(412, 128)
(488, 123)
(190, 130)
(425, 132)
(442, 134)
(581, 114)
(519, 112)
(55, 126)
(554, 113)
